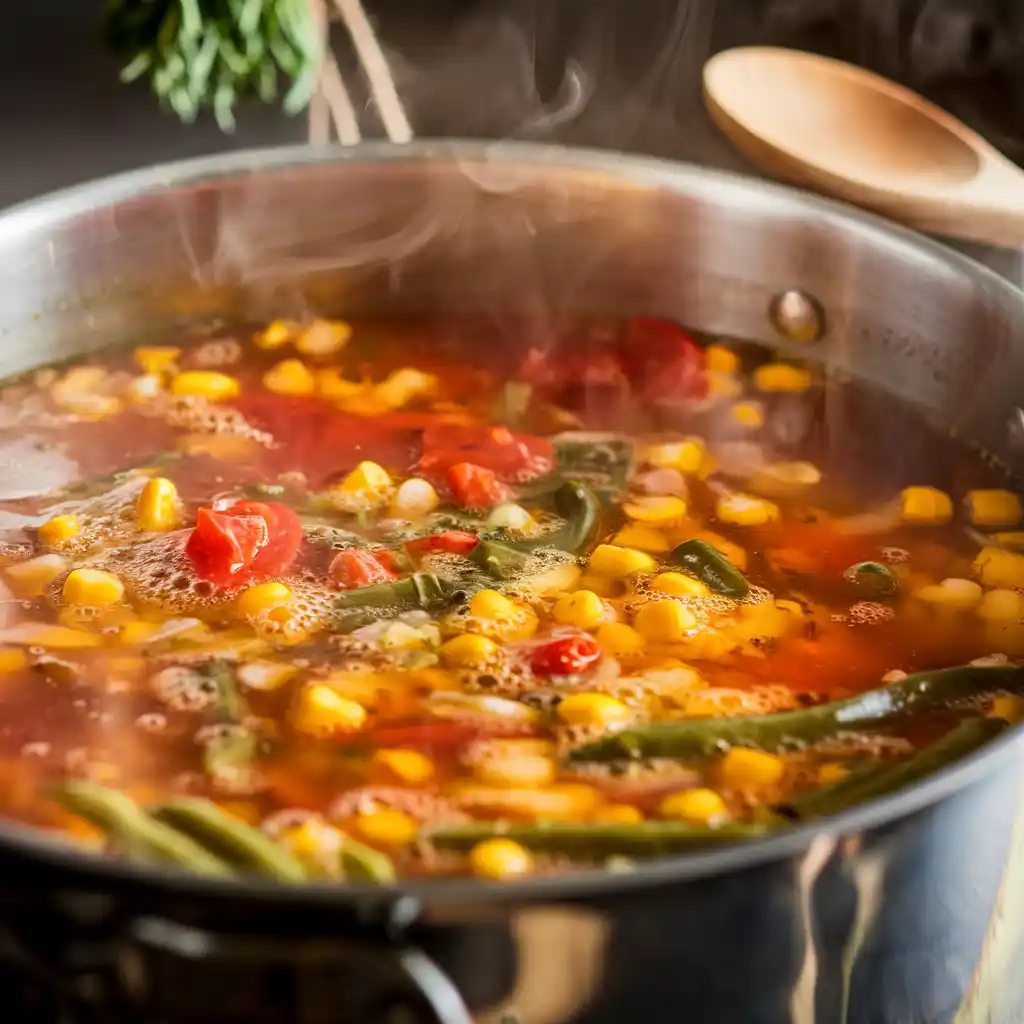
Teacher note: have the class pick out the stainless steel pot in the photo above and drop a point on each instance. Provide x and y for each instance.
(908, 910)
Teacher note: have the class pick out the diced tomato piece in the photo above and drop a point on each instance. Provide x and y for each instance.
(510, 456)
(285, 535)
(476, 486)
(662, 360)
(454, 542)
(565, 657)
(387, 559)
(356, 568)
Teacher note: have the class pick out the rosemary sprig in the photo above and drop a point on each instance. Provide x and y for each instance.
(209, 54)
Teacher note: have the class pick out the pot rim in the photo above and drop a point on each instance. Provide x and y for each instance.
(686, 178)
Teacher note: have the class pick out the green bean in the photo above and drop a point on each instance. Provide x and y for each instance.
(227, 755)
(231, 705)
(707, 564)
(792, 730)
(420, 590)
(602, 461)
(365, 863)
(577, 504)
(872, 580)
(887, 777)
(501, 561)
(592, 842)
(140, 836)
(241, 845)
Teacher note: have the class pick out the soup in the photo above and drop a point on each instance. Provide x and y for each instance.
(320, 600)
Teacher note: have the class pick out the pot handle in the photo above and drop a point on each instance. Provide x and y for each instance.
(440, 1000)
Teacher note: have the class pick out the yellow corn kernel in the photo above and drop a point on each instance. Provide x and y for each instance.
(367, 480)
(687, 456)
(58, 530)
(323, 337)
(593, 709)
(387, 827)
(599, 585)
(469, 651)
(1009, 707)
(618, 814)
(619, 640)
(719, 359)
(664, 622)
(41, 634)
(993, 509)
(275, 334)
(614, 563)
(158, 509)
(1002, 606)
(584, 610)
(515, 770)
(643, 538)
(490, 604)
(749, 414)
(320, 711)
(92, 588)
(290, 377)
(1014, 540)
(678, 584)
(261, 597)
(310, 840)
(782, 377)
(205, 384)
(12, 660)
(730, 551)
(952, 593)
(785, 477)
(832, 772)
(656, 510)
(414, 498)
(32, 577)
(498, 859)
(1000, 569)
(745, 510)
(696, 806)
(406, 767)
(144, 388)
(403, 386)
(744, 768)
(332, 385)
(156, 359)
(925, 506)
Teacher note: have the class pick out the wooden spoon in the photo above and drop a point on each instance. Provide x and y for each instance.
(849, 133)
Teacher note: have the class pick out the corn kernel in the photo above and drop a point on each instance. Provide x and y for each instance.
(92, 588)
(1000, 569)
(156, 359)
(952, 593)
(656, 510)
(618, 814)
(320, 711)
(332, 385)
(490, 604)
(144, 388)
(1002, 606)
(414, 498)
(678, 584)
(41, 634)
(12, 660)
(205, 384)
(686, 456)
(643, 538)
(832, 772)
(745, 510)
(1009, 707)
(782, 377)
(592, 709)
(310, 840)
(368, 481)
(696, 806)
(387, 827)
(719, 359)
(158, 509)
(32, 577)
(664, 622)
(515, 770)
(403, 386)
(583, 609)
(261, 597)
(993, 509)
(469, 651)
(749, 414)
(323, 337)
(614, 562)
(58, 530)
(925, 506)
(275, 334)
(785, 478)
(619, 640)
(1014, 540)
(497, 859)
(406, 767)
(290, 377)
(744, 768)
(599, 585)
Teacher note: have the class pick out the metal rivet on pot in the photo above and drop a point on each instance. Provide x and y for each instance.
(1015, 427)
(797, 316)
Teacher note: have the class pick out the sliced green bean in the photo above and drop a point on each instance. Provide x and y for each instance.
(420, 590)
(707, 564)
(140, 836)
(593, 842)
(580, 509)
(602, 461)
(228, 837)
(228, 755)
(231, 705)
(364, 863)
(501, 561)
(794, 730)
(872, 580)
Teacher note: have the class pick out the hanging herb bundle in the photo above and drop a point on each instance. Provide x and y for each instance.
(209, 54)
